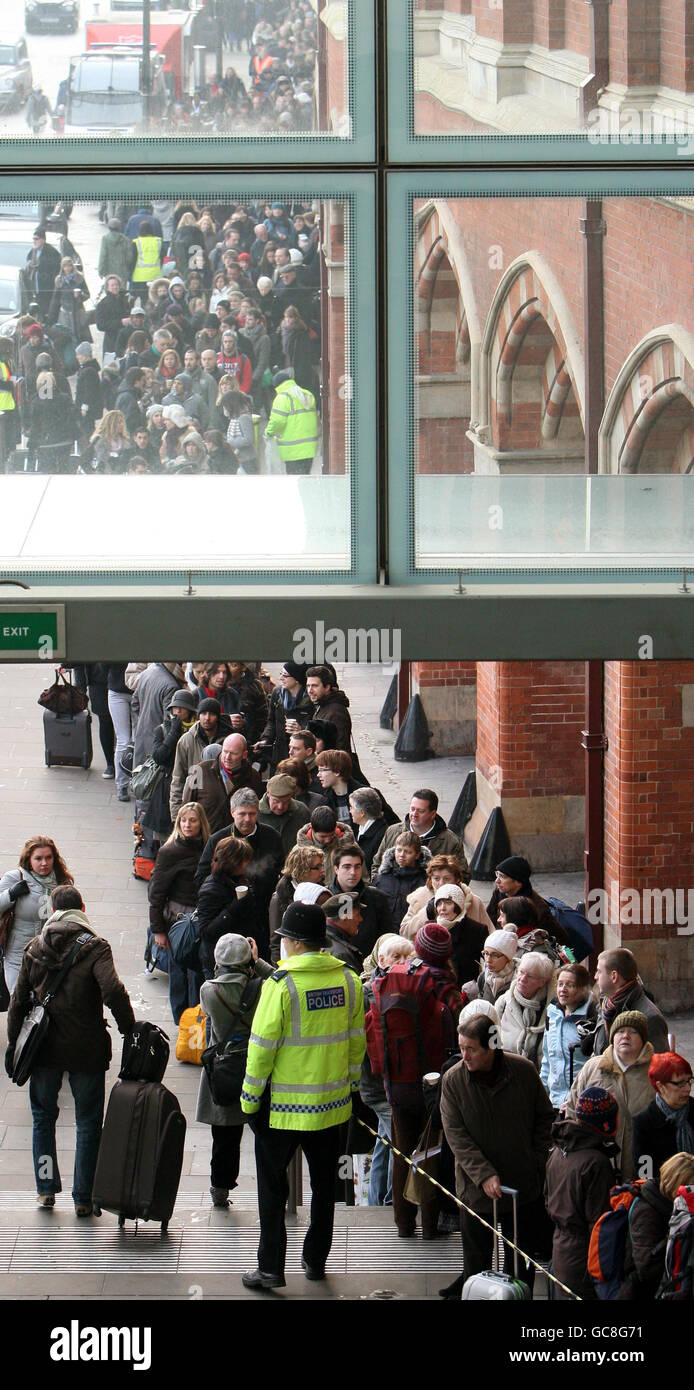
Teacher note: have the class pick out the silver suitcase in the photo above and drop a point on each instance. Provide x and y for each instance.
(491, 1285)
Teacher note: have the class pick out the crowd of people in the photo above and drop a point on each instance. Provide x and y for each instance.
(370, 978)
(208, 331)
(276, 95)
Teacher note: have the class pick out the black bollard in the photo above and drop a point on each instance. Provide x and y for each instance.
(412, 742)
(465, 805)
(494, 845)
(390, 704)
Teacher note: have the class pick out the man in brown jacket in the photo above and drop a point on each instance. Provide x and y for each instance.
(76, 1042)
(212, 782)
(497, 1119)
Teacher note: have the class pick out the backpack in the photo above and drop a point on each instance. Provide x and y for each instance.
(409, 1029)
(576, 926)
(679, 1257)
(608, 1239)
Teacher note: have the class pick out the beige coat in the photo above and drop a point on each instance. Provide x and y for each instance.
(416, 915)
(631, 1089)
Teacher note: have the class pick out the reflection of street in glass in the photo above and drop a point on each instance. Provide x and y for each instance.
(171, 336)
(223, 67)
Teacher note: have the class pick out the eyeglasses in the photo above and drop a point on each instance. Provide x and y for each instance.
(685, 1081)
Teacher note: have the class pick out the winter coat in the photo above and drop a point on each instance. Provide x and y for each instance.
(109, 459)
(398, 884)
(117, 256)
(228, 698)
(370, 840)
(41, 270)
(561, 1031)
(335, 707)
(376, 920)
(523, 1024)
(253, 703)
(150, 702)
(262, 873)
(631, 1089)
(274, 732)
(88, 392)
(578, 1180)
(173, 880)
(499, 1128)
(240, 434)
(422, 899)
(129, 402)
(440, 841)
(31, 910)
(77, 1039)
(67, 309)
(491, 992)
(287, 825)
(639, 1000)
(189, 751)
(220, 997)
(343, 948)
(157, 815)
(221, 910)
(543, 909)
(51, 422)
(206, 785)
(646, 1247)
(343, 836)
(279, 902)
(652, 1134)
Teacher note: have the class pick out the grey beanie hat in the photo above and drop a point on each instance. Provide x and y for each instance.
(232, 949)
(114, 224)
(83, 350)
(153, 409)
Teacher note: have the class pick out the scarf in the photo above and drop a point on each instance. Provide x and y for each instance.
(498, 980)
(47, 882)
(680, 1119)
(613, 1006)
(291, 701)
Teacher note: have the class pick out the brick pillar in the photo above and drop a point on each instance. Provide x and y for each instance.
(530, 760)
(635, 42)
(549, 26)
(510, 21)
(649, 821)
(447, 692)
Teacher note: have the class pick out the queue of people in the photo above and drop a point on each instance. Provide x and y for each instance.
(207, 345)
(350, 967)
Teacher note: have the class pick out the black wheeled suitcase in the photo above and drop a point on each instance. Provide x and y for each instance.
(141, 1153)
(68, 739)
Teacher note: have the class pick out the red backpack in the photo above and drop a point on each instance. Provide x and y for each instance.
(410, 1029)
(607, 1248)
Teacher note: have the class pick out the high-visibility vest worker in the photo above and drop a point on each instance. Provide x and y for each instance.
(148, 264)
(293, 422)
(260, 66)
(7, 400)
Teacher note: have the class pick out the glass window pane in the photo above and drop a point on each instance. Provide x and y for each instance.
(182, 386)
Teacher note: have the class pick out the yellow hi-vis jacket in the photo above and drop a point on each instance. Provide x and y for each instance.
(7, 401)
(294, 422)
(308, 1040)
(148, 264)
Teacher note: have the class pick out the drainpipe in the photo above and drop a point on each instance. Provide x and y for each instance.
(599, 75)
(593, 740)
(403, 690)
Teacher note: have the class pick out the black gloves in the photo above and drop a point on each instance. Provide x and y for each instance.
(19, 890)
(9, 1061)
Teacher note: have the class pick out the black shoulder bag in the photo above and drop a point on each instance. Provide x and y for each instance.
(225, 1061)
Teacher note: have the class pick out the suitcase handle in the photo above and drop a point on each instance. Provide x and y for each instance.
(513, 1193)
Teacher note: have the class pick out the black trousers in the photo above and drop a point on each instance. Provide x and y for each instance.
(226, 1155)
(478, 1242)
(274, 1148)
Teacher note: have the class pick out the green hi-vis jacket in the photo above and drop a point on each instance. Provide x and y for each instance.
(294, 422)
(308, 1039)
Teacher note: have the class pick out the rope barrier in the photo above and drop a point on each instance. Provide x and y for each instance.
(496, 1232)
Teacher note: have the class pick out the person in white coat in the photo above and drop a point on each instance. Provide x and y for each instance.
(26, 891)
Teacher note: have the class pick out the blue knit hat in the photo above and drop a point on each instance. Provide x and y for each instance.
(598, 1108)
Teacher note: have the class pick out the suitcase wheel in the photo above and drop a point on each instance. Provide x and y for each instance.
(86, 761)
(48, 759)
(164, 1227)
(96, 1211)
(121, 1221)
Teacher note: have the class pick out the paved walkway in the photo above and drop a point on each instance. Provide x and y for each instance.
(51, 1254)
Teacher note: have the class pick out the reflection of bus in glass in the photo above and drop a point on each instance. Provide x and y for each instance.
(105, 96)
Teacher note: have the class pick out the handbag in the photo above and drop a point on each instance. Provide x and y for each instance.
(184, 941)
(192, 1038)
(225, 1061)
(62, 697)
(425, 1158)
(6, 922)
(36, 1022)
(145, 779)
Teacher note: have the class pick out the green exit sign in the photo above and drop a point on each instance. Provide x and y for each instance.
(32, 633)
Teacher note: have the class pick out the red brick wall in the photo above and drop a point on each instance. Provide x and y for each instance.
(445, 673)
(577, 26)
(649, 775)
(635, 40)
(529, 721)
(512, 22)
(444, 447)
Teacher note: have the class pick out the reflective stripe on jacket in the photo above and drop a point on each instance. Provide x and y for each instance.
(6, 397)
(148, 264)
(308, 1041)
(294, 422)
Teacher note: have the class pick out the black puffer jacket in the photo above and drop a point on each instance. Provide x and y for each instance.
(397, 883)
(77, 1038)
(221, 910)
(173, 879)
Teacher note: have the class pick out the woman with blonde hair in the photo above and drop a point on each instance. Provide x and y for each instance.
(52, 425)
(442, 868)
(304, 864)
(111, 443)
(172, 893)
(26, 892)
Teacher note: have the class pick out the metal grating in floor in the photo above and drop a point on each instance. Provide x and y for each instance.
(197, 1250)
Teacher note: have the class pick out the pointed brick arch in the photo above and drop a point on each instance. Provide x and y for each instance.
(532, 364)
(443, 350)
(648, 424)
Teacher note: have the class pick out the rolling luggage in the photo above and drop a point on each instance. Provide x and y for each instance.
(141, 1153)
(491, 1285)
(68, 739)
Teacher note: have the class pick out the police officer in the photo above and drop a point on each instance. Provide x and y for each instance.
(307, 1043)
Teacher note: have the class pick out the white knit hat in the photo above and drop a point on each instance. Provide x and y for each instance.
(504, 941)
(453, 891)
(310, 892)
(476, 1007)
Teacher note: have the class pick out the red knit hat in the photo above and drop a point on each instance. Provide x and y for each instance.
(433, 943)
